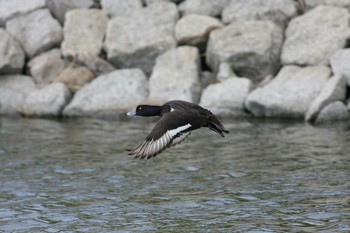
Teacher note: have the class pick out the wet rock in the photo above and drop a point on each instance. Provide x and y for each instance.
(340, 63)
(84, 31)
(195, 29)
(48, 101)
(96, 64)
(75, 77)
(312, 38)
(13, 90)
(120, 7)
(13, 8)
(335, 89)
(46, 67)
(176, 76)
(225, 72)
(252, 48)
(36, 31)
(59, 8)
(340, 3)
(203, 7)
(119, 91)
(335, 111)
(11, 54)
(137, 40)
(227, 98)
(278, 11)
(290, 93)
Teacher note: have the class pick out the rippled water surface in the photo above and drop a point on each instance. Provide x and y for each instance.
(75, 176)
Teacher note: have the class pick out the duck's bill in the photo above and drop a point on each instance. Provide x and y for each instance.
(132, 113)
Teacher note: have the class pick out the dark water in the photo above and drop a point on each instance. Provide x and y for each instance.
(74, 176)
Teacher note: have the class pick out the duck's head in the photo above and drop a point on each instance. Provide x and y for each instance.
(145, 110)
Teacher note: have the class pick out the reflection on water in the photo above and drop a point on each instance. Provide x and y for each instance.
(74, 176)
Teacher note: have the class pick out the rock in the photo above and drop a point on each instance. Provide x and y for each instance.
(290, 93)
(312, 38)
(176, 76)
(195, 29)
(84, 31)
(120, 7)
(225, 72)
(36, 31)
(333, 112)
(75, 77)
(203, 7)
(46, 67)
(335, 89)
(207, 78)
(252, 48)
(116, 91)
(278, 11)
(227, 98)
(13, 90)
(48, 101)
(148, 2)
(340, 64)
(59, 8)
(13, 8)
(96, 64)
(137, 40)
(340, 3)
(11, 54)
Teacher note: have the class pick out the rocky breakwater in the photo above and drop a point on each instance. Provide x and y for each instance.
(262, 58)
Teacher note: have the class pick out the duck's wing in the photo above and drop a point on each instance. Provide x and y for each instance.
(170, 130)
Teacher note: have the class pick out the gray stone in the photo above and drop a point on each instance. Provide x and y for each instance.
(13, 90)
(225, 72)
(252, 48)
(203, 7)
(13, 8)
(290, 93)
(137, 40)
(333, 112)
(96, 64)
(227, 98)
(335, 89)
(48, 101)
(340, 63)
(195, 29)
(11, 54)
(207, 78)
(120, 7)
(46, 67)
(340, 3)
(59, 8)
(36, 31)
(278, 11)
(312, 38)
(176, 76)
(119, 91)
(84, 31)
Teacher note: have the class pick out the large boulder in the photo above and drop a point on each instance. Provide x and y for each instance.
(176, 76)
(46, 67)
(13, 90)
(290, 93)
(312, 38)
(340, 63)
(227, 98)
(14, 8)
(335, 89)
(136, 40)
(84, 31)
(278, 11)
(48, 101)
(120, 7)
(114, 92)
(195, 29)
(11, 54)
(252, 48)
(37, 31)
(333, 112)
(59, 8)
(203, 7)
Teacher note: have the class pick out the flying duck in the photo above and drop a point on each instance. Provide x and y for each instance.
(178, 119)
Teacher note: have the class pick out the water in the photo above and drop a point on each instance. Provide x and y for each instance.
(75, 176)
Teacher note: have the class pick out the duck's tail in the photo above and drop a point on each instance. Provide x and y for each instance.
(214, 124)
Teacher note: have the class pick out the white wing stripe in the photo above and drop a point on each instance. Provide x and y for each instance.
(173, 132)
